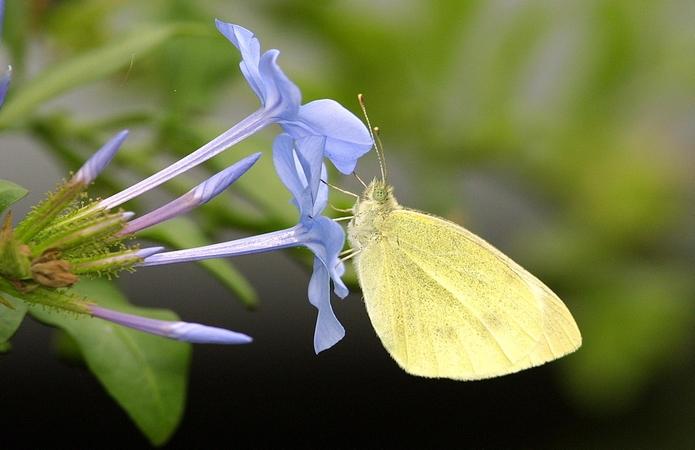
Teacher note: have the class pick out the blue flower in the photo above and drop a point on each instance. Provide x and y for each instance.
(300, 166)
(89, 242)
(197, 196)
(346, 136)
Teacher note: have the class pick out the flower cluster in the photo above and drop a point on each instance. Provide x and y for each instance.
(63, 239)
(60, 241)
(314, 131)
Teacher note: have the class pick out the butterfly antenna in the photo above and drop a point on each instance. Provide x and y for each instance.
(359, 179)
(380, 151)
(377, 142)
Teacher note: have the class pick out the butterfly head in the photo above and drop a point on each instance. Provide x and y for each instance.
(376, 202)
(378, 192)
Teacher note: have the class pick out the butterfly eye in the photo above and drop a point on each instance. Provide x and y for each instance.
(379, 194)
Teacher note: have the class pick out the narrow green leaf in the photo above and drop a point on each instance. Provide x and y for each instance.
(145, 374)
(90, 66)
(183, 233)
(9, 194)
(10, 319)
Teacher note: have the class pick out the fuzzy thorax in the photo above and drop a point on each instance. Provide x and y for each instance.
(376, 202)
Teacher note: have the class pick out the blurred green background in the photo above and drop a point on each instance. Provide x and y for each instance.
(562, 132)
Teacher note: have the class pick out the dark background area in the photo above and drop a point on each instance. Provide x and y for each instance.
(277, 394)
(560, 132)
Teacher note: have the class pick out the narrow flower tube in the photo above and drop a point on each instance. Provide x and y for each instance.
(5, 84)
(291, 237)
(197, 196)
(181, 331)
(347, 139)
(94, 165)
(234, 135)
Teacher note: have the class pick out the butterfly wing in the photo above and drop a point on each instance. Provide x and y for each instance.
(445, 303)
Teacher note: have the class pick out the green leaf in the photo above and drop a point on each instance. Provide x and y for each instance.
(183, 233)
(145, 374)
(90, 66)
(10, 319)
(9, 194)
(67, 349)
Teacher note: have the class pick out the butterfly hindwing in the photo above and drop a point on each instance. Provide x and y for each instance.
(445, 303)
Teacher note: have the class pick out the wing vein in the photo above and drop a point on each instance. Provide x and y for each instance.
(394, 322)
(469, 309)
(442, 258)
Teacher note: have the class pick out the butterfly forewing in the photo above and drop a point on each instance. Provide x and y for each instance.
(447, 304)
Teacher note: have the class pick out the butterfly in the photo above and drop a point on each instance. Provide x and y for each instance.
(444, 302)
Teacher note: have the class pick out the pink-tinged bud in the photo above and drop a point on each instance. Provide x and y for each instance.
(94, 165)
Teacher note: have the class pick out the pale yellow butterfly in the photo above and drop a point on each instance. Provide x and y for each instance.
(444, 302)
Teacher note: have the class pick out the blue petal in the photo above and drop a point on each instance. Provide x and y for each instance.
(285, 163)
(334, 240)
(282, 96)
(250, 50)
(347, 138)
(321, 199)
(310, 155)
(326, 239)
(328, 329)
(278, 95)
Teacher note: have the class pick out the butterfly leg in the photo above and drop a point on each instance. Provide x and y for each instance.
(349, 253)
(339, 189)
(340, 209)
